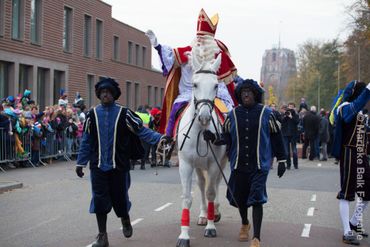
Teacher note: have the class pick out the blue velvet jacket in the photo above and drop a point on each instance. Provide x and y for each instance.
(253, 136)
(110, 137)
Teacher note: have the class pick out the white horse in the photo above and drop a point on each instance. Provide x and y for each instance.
(193, 150)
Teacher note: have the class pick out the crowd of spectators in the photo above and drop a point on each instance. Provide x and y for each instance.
(27, 130)
(305, 126)
(29, 135)
(61, 126)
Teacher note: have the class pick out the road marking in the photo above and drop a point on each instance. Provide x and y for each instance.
(136, 221)
(310, 211)
(32, 228)
(306, 231)
(163, 207)
(313, 198)
(319, 165)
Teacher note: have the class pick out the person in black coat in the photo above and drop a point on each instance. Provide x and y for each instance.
(311, 123)
(324, 135)
(111, 137)
(289, 129)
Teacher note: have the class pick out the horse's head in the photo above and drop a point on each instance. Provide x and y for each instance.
(205, 84)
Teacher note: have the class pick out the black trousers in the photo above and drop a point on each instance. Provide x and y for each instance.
(110, 189)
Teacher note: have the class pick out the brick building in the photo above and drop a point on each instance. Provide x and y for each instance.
(278, 66)
(71, 44)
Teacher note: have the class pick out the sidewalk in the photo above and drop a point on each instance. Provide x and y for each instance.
(9, 185)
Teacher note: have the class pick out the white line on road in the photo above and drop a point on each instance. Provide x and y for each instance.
(310, 211)
(306, 231)
(163, 207)
(32, 228)
(319, 165)
(136, 221)
(313, 198)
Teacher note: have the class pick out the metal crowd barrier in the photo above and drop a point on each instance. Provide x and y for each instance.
(53, 145)
(9, 152)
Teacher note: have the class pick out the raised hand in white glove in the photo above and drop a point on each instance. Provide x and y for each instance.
(153, 39)
(368, 86)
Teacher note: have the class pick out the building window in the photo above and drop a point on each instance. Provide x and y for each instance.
(4, 79)
(116, 48)
(90, 90)
(41, 86)
(99, 39)
(36, 15)
(2, 17)
(162, 94)
(137, 95)
(59, 83)
(155, 96)
(25, 77)
(143, 56)
(137, 53)
(17, 19)
(129, 58)
(128, 93)
(274, 57)
(150, 95)
(87, 35)
(67, 29)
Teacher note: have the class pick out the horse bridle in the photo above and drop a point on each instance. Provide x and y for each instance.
(201, 103)
(209, 103)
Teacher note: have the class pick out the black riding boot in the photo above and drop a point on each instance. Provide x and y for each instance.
(126, 227)
(101, 240)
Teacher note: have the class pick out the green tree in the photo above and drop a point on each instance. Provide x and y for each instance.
(317, 73)
(356, 57)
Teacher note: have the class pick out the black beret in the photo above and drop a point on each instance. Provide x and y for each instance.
(257, 90)
(110, 84)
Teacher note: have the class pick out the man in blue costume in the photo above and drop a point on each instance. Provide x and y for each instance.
(351, 147)
(110, 139)
(253, 136)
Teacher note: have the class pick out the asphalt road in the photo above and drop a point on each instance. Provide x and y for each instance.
(52, 210)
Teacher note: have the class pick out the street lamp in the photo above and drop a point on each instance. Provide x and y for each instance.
(318, 93)
(358, 61)
(338, 82)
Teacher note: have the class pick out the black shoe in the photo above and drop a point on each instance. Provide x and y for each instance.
(351, 239)
(126, 227)
(288, 167)
(101, 240)
(296, 167)
(142, 167)
(359, 231)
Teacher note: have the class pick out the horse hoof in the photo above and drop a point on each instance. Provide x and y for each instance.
(202, 221)
(210, 233)
(183, 243)
(217, 217)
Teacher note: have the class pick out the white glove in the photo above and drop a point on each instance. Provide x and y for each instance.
(368, 86)
(153, 39)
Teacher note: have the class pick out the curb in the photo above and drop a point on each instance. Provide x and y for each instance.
(6, 186)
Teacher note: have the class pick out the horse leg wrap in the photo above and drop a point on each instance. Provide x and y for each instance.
(211, 211)
(185, 218)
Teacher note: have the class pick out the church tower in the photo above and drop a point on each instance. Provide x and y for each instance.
(278, 65)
